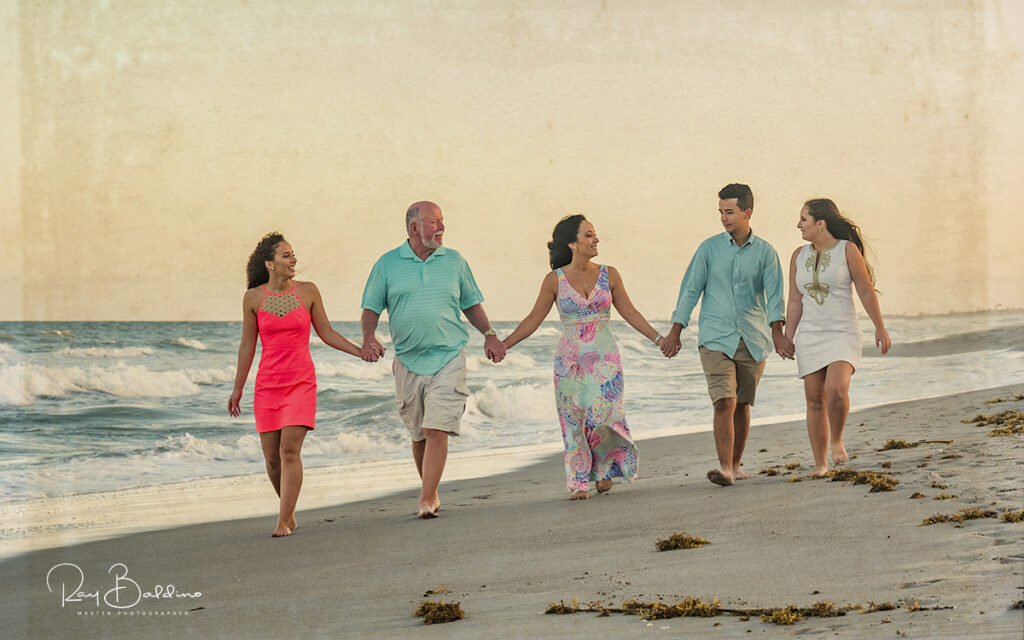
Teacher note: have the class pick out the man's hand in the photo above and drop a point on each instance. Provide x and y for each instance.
(783, 345)
(494, 349)
(372, 350)
(670, 345)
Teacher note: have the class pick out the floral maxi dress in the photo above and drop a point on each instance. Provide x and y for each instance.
(588, 388)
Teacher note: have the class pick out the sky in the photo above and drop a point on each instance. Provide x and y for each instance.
(150, 145)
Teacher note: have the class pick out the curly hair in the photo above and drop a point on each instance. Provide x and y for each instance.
(256, 269)
(841, 227)
(565, 232)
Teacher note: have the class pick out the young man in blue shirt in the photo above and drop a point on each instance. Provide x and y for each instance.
(740, 279)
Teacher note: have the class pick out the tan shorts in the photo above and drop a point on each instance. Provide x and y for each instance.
(431, 402)
(735, 377)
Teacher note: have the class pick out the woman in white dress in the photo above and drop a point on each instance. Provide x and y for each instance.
(821, 320)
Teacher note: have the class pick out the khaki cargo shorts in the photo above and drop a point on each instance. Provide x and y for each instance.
(734, 377)
(431, 402)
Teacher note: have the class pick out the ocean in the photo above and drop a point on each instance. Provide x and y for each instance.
(105, 406)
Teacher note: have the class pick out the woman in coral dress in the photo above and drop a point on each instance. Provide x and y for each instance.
(280, 310)
(588, 370)
(822, 321)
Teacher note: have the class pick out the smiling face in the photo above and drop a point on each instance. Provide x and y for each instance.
(428, 228)
(734, 220)
(586, 240)
(810, 229)
(284, 260)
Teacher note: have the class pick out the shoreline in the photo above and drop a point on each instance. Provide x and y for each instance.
(507, 545)
(35, 524)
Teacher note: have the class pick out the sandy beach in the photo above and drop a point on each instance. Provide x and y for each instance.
(507, 545)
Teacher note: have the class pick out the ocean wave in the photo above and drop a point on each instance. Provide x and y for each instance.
(191, 343)
(105, 352)
(356, 370)
(7, 351)
(21, 383)
(520, 402)
(57, 332)
(512, 359)
(547, 331)
(211, 376)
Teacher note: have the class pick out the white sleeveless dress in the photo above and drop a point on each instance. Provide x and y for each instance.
(829, 330)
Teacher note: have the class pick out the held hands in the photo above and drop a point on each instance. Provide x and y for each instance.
(669, 346)
(784, 345)
(372, 350)
(234, 410)
(494, 349)
(882, 340)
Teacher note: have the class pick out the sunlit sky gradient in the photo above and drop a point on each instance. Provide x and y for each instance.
(151, 144)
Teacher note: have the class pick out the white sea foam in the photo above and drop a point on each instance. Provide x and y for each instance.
(354, 369)
(211, 376)
(106, 352)
(21, 383)
(520, 402)
(59, 332)
(512, 359)
(192, 343)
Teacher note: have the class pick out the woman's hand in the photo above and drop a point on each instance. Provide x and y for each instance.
(882, 340)
(233, 403)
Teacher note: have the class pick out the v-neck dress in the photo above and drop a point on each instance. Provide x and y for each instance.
(285, 393)
(588, 388)
(829, 330)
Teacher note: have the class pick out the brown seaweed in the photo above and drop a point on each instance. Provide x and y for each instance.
(680, 541)
(878, 481)
(438, 612)
(959, 516)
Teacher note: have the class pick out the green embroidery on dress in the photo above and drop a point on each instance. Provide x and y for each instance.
(815, 289)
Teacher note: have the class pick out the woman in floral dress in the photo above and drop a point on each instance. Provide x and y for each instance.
(588, 370)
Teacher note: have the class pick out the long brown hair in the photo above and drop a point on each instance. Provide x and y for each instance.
(841, 227)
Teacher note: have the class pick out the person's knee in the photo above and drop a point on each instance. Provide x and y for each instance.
(435, 436)
(289, 454)
(816, 401)
(835, 395)
(725, 405)
(273, 463)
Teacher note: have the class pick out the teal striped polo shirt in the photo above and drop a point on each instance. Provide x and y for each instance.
(424, 300)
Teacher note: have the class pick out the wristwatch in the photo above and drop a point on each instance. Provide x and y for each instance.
(490, 332)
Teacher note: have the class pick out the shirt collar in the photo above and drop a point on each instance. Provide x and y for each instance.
(406, 252)
(750, 240)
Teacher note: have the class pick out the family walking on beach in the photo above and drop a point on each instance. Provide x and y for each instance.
(426, 287)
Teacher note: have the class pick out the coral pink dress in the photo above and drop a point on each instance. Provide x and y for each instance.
(286, 381)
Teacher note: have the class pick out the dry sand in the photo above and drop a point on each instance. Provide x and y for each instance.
(505, 546)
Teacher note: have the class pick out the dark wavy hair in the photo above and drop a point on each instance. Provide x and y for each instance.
(744, 196)
(565, 232)
(256, 269)
(841, 227)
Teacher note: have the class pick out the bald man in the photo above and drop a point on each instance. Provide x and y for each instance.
(425, 287)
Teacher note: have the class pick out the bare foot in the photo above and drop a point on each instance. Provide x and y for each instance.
(739, 475)
(839, 453)
(281, 531)
(580, 495)
(719, 478)
(604, 486)
(293, 525)
(819, 472)
(426, 513)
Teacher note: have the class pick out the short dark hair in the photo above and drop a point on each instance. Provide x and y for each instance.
(744, 196)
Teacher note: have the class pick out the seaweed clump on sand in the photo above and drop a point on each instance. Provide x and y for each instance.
(1013, 516)
(794, 478)
(770, 471)
(1016, 396)
(944, 496)
(680, 541)
(897, 444)
(685, 608)
(560, 608)
(959, 516)
(435, 612)
(1005, 423)
(878, 481)
(1017, 605)
(786, 615)
(917, 495)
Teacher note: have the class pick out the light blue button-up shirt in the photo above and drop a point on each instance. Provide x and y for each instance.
(742, 289)
(424, 299)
